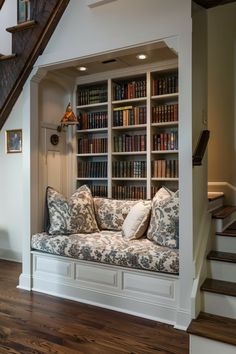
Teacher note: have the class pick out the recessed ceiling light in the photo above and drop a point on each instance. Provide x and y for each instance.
(82, 68)
(141, 56)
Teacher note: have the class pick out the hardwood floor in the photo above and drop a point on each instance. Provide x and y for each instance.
(36, 323)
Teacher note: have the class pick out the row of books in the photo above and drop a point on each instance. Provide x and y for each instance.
(129, 169)
(127, 143)
(98, 190)
(129, 89)
(92, 94)
(92, 120)
(129, 115)
(165, 141)
(129, 192)
(90, 146)
(92, 169)
(165, 85)
(165, 169)
(165, 113)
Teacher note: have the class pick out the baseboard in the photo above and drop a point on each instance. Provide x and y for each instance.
(228, 189)
(9, 255)
(183, 319)
(25, 282)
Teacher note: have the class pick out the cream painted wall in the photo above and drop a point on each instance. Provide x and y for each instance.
(8, 18)
(85, 31)
(11, 191)
(222, 93)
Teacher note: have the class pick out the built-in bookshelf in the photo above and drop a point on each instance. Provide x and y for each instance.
(127, 133)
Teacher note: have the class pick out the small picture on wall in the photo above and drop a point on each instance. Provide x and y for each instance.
(14, 141)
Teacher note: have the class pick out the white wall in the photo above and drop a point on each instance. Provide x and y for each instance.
(8, 18)
(222, 93)
(11, 191)
(85, 31)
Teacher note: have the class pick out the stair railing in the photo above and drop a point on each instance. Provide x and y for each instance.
(201, 148)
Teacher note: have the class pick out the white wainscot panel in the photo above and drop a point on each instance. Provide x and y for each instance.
(96, 275)
(52, 267)
(149, 285)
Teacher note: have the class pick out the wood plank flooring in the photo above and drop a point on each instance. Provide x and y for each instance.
(33, 323)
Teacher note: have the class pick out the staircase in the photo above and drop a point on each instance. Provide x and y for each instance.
(29, 39)
(215, 328)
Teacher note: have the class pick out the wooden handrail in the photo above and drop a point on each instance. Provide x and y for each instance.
(201, 148)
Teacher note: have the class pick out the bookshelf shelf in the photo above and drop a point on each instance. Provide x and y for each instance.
(92, 105)
(165, 124)
(131, 127)
(130, 153)
(165, 179)
(91, 178)
(97, 130)
(168, 96)
(129, 179)
(136, 111)
(130, 100)
(165, 151)
(92, 154)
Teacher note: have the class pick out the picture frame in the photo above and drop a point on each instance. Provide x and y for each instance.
(14, 141)
(23, 11)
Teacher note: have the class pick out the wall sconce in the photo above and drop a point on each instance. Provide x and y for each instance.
(69, 118)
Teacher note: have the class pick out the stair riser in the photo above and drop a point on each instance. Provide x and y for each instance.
(225, 244)
(221, 305)
(215, 204)
(222, 270)
(222, 224)
(205, 346)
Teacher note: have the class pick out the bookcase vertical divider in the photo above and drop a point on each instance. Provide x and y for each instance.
(148, 132)
(109, 137)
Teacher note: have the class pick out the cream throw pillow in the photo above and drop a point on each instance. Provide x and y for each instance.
(136, 222)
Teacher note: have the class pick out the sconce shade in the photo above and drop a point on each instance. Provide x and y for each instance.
(69, 117)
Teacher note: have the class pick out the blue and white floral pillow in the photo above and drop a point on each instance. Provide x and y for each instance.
(163, 227)
(72, 216)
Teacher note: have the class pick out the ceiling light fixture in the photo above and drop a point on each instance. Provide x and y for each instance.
(141, 56)
(82, 68)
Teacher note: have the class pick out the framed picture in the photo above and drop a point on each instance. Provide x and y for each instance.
(23, 10)
(14, 141)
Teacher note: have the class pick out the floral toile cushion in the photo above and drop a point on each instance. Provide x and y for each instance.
(163, 227)
(136, 222)
(73, 215)
(111, 213)
(110, 247)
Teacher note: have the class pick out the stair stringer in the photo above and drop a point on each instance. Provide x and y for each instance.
(200, 269)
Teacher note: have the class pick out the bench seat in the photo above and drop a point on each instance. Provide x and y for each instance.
(109, 247)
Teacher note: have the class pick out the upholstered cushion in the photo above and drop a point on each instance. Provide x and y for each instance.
(164, 221)
(110, 247)
(136, 222)
(111, 213)
(73, 215)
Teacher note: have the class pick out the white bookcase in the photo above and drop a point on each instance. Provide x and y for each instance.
(127, 136)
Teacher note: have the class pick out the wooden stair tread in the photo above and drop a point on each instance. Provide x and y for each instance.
(214, 196)
(21, 26)
(223, 212)
(214, 327)
(222, 256)
(230, 231)
(7, 57)
(219, 287)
